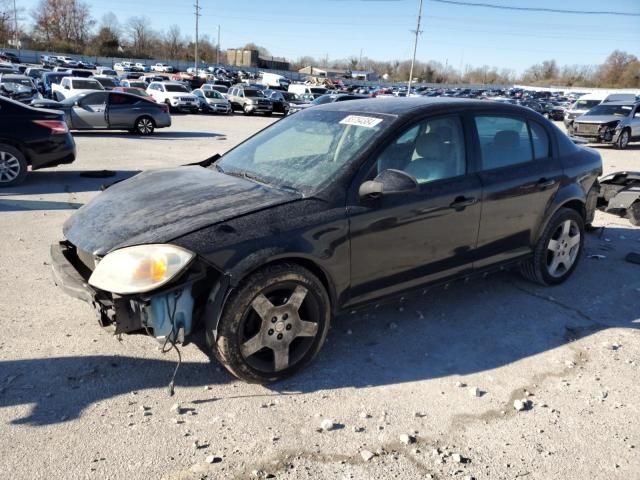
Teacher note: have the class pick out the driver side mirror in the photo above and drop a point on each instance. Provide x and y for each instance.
(388, 182)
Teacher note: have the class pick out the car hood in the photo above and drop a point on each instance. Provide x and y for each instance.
(599, 118)
(158, 206)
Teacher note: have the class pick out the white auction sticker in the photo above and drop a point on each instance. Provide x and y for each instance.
(358, 121)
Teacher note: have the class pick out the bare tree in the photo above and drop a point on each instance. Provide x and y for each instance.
(141, 36)
(62, 24)
(173, 44)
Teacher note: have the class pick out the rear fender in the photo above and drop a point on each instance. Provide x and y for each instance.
(571, 195)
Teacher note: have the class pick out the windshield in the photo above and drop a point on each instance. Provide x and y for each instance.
(86, 85)
(138, 85)
(323, 99)
(318, 90)
(212, 94)
(176, 88)
(617, 110)
(586, 104)
(106, 82)
(55, 78)
(109, 72)
(305, 150)
(25, 82)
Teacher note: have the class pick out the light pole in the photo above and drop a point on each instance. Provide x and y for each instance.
(415, 48)
(195, 71)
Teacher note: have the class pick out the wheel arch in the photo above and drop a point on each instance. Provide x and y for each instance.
(18, 146)
(573, 198)
(228, 281)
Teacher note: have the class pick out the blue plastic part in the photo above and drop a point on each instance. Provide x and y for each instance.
(162, 307)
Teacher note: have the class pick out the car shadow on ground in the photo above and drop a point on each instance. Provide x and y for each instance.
(465, 329)
(43, 182)
(157, 135)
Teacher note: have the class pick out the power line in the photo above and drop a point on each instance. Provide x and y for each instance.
(538, 9)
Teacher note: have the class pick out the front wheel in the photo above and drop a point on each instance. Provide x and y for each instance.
(273, 325)
(623, 139)
(144, 126)
(13, 166)
(558, 250)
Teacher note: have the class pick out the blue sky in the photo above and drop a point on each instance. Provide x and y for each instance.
(459, 35)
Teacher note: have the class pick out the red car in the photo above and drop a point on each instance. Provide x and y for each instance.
(135, 91)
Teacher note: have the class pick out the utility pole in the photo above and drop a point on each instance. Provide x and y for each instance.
(360, 60)
(16, 35)
(415, 48)
(197, 12)
(218, 49)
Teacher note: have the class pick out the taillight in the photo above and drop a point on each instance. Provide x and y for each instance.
(56, 126)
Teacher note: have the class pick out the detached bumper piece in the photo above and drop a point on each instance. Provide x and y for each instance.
(167, 313)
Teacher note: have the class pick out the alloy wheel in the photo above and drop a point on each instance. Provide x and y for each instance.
(9, 167)
(145, 126)
(624, 139)
(279, 327)
(563, 248)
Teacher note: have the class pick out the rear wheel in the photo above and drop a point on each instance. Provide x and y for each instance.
(633, 213)
(273, 325)
(145, 125)
(558, 250)
(623, 139)
(13, 166)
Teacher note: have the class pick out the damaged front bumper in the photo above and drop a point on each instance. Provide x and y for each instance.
(167, 312)
(604, 134)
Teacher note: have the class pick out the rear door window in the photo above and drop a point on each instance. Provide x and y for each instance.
(504, 141)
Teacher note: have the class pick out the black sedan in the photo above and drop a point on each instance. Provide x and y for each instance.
(335, 207)
(31, 137)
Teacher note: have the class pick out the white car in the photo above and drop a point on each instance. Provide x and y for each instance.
(175, 95)
(162, 67)
(70, 86)
(122, 66)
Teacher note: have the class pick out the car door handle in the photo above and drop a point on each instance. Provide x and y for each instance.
(544, 183)
(460, 203)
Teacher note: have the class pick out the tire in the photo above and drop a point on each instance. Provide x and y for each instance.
(553, 263)
(144, 125)
(13, 166)
(623, 139)
(633, 213)
(168, 104)
(245, 338)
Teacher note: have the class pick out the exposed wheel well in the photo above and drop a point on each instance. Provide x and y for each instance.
(309, 265)
(576, 205)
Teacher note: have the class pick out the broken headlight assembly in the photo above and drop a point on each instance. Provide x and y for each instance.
(140, 269)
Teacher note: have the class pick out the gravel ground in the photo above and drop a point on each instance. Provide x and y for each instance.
(444, 369)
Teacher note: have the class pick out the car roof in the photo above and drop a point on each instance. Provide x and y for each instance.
(407, 106)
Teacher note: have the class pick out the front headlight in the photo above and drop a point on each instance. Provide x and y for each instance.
(139, 269)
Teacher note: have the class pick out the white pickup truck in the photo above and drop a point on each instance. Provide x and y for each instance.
(70, 86)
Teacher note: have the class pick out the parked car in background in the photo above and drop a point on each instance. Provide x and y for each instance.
(48, 61)
(274, 81)
(218, 88)
(326, 211)
(301, 89)
(249, 100)
(70, 86)
(75, 72)
(35, 73)
(86, 64)
(122, 66)
(173, 94)
(9, 57)
(109, 83)
(581, 106)
(141, 92)
(162, 67)
(133, 83)
(8, 68)
(324, 99)
(18, 87)
(280, 103)
(617, 123)
(68, 62)
(212, 101)
(95, 110)
(140, 67)
(49, 79)
(31, 137)
(109, 72)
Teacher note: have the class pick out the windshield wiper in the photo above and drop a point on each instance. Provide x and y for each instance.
(261, 180)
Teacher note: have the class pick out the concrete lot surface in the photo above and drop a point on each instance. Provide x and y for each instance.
(444, 369)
